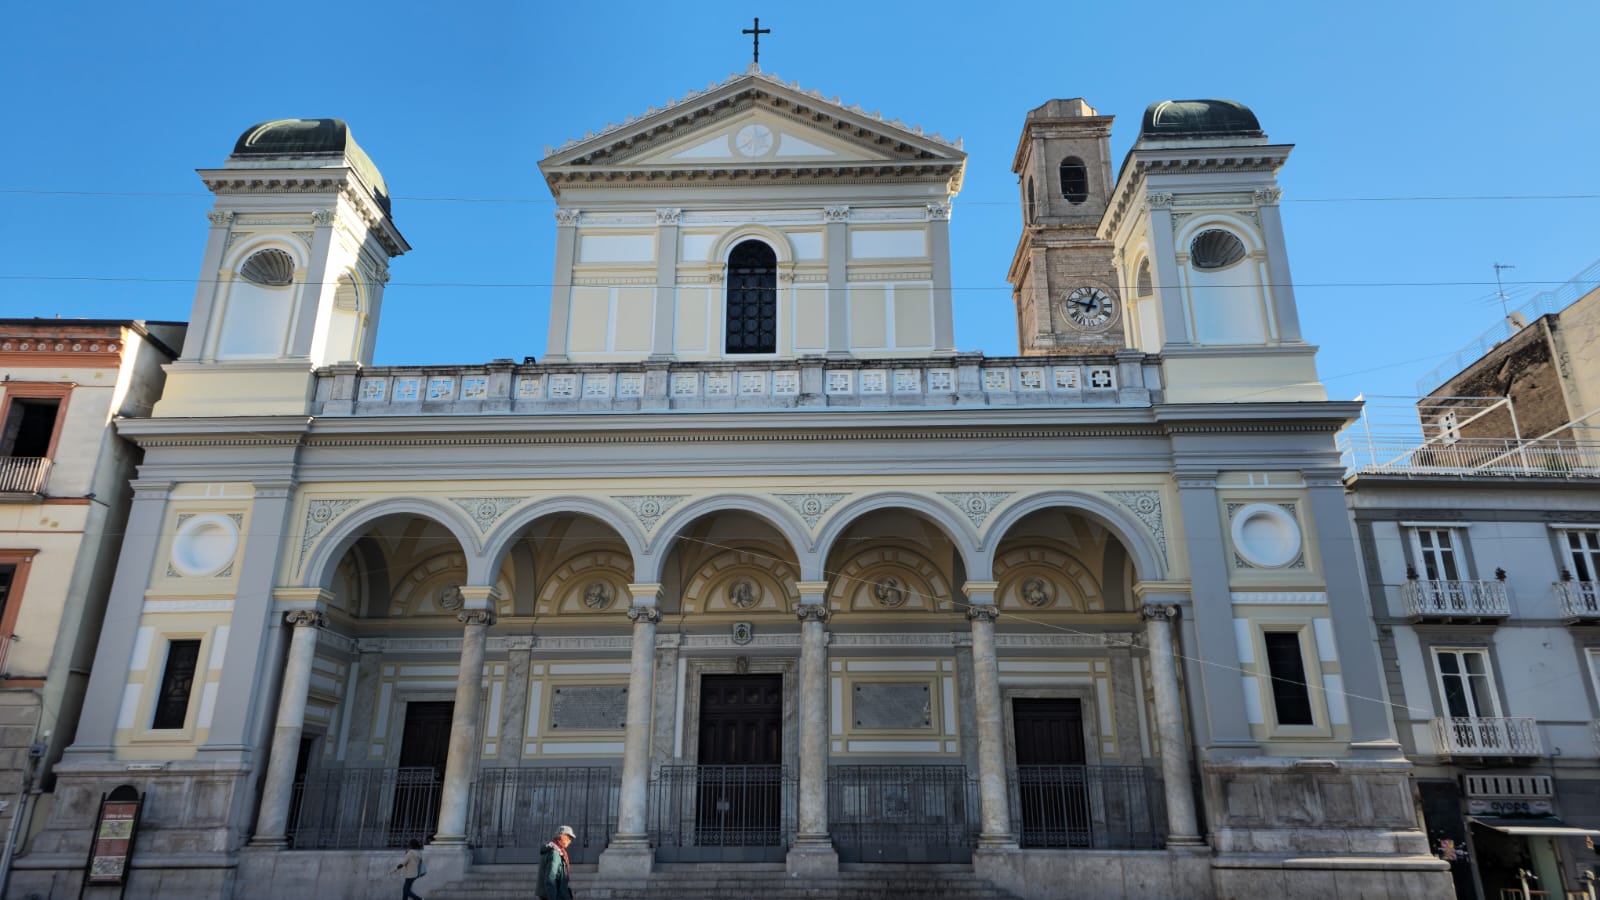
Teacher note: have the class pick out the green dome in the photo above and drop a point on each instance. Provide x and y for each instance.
(298, 138)
(1199, 118)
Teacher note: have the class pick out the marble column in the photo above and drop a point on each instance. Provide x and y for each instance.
(461, 766)
(813, 851)
(276, 793)
(1170, 735)
(995, 832)
(629, 854)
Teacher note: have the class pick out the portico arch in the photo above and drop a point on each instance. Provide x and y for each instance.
(1149, 557)
(323, 558)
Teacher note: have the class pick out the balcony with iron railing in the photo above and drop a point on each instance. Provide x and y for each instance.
(1456, 601)
(1580, 600)
(23, 477)
(1496, 736)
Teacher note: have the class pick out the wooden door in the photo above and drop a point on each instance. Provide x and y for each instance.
(1053, 781)
(424, 749)
(740, 771)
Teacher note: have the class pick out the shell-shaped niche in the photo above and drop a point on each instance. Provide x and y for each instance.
(1215, 249)
(270, 268)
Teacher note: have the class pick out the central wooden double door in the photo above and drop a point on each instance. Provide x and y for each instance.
(739, 793)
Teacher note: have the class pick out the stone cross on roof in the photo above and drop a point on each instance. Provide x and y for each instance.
(756, 34)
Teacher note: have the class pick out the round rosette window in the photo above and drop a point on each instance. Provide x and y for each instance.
(1266, 536)
(204, 545)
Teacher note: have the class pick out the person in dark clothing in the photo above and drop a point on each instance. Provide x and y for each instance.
(554, 867)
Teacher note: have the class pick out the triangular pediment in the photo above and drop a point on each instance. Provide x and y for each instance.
(752, 122)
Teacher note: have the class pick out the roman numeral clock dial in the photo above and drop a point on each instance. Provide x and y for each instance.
(1089, 308)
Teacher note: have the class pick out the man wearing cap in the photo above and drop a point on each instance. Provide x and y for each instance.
(554, 866)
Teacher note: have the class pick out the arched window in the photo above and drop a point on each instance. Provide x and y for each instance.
(1215, 249)
(1145, 285)
(752, 299)
(1030, 200)
(1074, 180)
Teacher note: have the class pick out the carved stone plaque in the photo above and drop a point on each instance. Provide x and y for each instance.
(891, 705)
(596, 708)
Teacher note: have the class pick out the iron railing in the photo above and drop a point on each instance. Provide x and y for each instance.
(1089, 807)
(351, 809)
(903, 814)
(515, 812)
(721, 813)
(23, 474)
(1456, 599)
(1579, 599)
(1488, 736)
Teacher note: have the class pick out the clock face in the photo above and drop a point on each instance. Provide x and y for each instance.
(753, 140)
(1089, 308)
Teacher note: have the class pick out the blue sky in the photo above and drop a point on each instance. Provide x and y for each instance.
(116, 104)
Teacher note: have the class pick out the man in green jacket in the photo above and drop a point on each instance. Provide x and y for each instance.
(554, 866)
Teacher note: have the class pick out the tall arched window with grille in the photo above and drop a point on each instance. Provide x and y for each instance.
(1074, 180)
(752, 299)
(1030, 201)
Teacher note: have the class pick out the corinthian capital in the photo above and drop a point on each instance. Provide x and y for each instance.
(567, 217)
(220, 217)
(484, 617)
(651, 614)
(1154, 611)
(988, 612)
(811, 612)
(1159, 199)
(308, 618)
(1268, 196)
(938, 212)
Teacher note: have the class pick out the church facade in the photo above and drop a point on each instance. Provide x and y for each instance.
(752, 566)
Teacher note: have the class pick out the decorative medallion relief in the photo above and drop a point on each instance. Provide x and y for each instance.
(977, 505)
(649, 509)
(1037, 592)
(811, 507)
(743, 593)
(1265, 536)
(890, 592)
(485, 511)
(598, 595)
(1146, 505)
(319, 515)
(205, 545)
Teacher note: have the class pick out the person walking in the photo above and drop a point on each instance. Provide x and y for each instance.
(554, 867)
(412, 867)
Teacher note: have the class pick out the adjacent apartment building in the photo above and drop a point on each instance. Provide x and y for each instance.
(1481, 543)
(64, 495)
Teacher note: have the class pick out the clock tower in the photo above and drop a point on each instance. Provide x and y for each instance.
(1063, 279)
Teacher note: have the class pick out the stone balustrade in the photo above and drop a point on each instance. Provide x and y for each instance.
(1125, 379)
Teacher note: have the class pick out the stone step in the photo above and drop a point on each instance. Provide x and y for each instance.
(723, 881)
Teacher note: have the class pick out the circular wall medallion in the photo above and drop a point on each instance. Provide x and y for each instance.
(204, 545)
(743, 594)
(597, 595)
(1036, 592)
(450, 598)
(890, 593)
(1266, 536)
(753, 140)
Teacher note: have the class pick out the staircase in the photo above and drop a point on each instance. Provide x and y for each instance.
(726, 881)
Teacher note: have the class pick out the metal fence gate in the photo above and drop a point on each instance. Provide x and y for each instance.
(1099, 807)
(351, 809)
(926, 814)
(721, 813)
(515, 812)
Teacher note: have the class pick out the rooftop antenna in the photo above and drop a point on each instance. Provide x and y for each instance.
(1501, 290)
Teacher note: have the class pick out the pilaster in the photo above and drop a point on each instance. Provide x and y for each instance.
(561, 285)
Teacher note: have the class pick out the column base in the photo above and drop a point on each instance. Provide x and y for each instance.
(268, 843)
(628, 858)
(1187, 842)
(448, 840)
(997, 842)
(812, 856)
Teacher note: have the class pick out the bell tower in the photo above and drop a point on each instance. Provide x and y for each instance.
(293, 273)
(1062, 277)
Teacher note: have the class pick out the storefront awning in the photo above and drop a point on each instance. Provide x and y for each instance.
(1549, 826)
